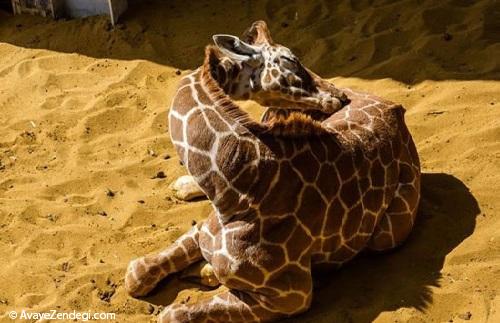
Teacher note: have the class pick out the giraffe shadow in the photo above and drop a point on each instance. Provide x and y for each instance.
(374, 283)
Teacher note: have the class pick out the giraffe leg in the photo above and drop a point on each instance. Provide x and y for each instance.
(185, 188)
(397, 222)
(226, 306)
(285, 294)
(144, 273)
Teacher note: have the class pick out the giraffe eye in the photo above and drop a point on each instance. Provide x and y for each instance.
(286, 58)
(288, 63)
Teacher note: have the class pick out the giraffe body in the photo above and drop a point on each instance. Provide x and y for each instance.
(283, 205)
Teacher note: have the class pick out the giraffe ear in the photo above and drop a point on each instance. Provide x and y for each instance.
(235, 48)
(258, 33)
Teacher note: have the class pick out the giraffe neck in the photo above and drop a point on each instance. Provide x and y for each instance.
(215, 139)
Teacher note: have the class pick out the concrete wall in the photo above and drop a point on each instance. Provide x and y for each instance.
(71, 8)
(83, 8)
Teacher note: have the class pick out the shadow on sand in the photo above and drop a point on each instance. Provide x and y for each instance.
(334, 38)
(374, 283)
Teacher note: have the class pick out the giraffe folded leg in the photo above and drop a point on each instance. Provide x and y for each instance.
(144, 273)
(226, 306)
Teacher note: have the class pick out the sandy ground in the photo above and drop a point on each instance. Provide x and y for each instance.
(83, 133)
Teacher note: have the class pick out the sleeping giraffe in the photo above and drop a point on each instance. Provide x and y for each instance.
(328, 173)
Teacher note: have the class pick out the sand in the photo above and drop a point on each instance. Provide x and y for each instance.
(83, 134)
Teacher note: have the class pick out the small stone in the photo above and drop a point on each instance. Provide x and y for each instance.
(105, 295)
(110, 193)
(466, 316)
(159, 175)
(151, 309)
(447, 36)
(141, 202)
(178, 72)
(193, 222)
(167, 157)
(65, 266)
(102, 213)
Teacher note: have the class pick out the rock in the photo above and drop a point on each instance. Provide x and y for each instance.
(160, 175)
(466, 316)
(186, 189)
(110, 193)
(447, 36)
(105, 295)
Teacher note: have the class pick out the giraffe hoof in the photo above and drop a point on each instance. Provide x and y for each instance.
(186, 189)
(202, 273)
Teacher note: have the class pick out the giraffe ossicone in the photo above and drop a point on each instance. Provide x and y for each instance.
(291, 193)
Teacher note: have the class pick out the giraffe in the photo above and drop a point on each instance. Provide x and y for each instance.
(304, 189)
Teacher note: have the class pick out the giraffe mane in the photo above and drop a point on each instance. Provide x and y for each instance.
(295, 125)
(291, 125)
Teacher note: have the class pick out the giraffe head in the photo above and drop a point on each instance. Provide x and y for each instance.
(271, 74)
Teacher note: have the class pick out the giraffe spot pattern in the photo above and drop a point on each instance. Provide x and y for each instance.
(184, 101)
(282, 197)
(175, 127)
(290, 278)
(328, 181)
(215, 121)
(334, 217)
(278, 230)
(246, 178)
(198, 164)
(306, 165)
(349, 192)
(297, 243)
(202, 139)
(310, 212)
(272, 257)
(266, 170)
(352, 222)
